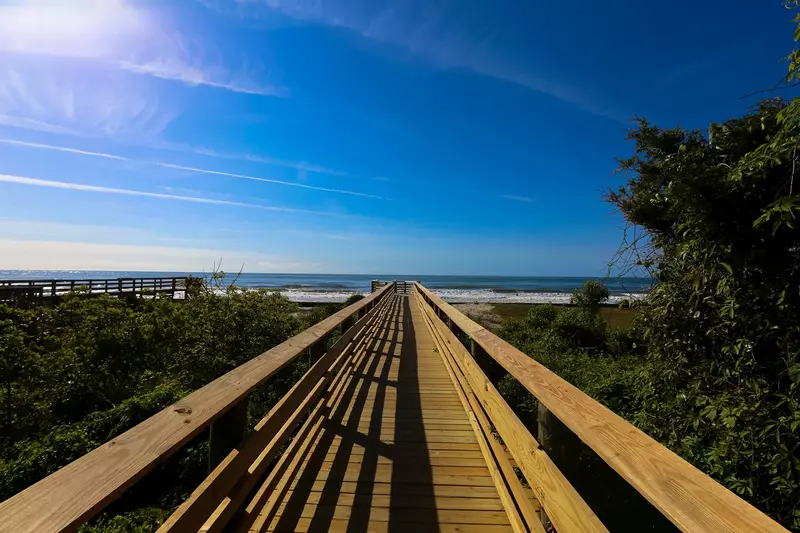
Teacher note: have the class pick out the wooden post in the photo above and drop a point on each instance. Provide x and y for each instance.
(347, 324)
(489, 366)
(53, 289)
(226, 433)
(318, 350)
(562, 446)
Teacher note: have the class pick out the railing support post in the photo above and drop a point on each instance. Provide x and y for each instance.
(560, 444)
(489, 366)
(226, 433)
(347, 324)
(318, 350)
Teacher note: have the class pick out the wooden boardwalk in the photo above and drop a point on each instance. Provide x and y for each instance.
(396, 452)
(394, 427)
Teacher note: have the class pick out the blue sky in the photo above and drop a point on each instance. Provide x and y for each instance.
(361, 136)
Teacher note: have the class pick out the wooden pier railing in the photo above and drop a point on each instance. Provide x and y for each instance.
(23, 293)
(394, 427)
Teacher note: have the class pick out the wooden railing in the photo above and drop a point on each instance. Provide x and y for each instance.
(22, 292)
(404, 287)
(688, 498)
(69, 497)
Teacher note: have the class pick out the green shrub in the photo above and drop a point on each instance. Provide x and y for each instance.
(76, 375)
(580, 329)
(590, 295)
(540, 316)
(353, 299)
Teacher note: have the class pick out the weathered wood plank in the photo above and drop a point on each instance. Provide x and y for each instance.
(70, 496)
(336, 525)
(412, 501)
(563, 504)
(518, 505)
(691, 500)
(403, 515)
(244, 466)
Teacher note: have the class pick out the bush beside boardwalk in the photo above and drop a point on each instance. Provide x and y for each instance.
(76, 375)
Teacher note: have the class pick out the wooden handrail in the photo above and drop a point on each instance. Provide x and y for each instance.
(687, 497)
(69, 497)
(67, 281)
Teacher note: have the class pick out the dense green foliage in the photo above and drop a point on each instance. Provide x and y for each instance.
(76, 375)
(711, 368)
(722, 325)
(578, 345)
(590, 295)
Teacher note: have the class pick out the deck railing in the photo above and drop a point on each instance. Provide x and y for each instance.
(22, 292)
(691, 500)
(68, 498)
(687, 497)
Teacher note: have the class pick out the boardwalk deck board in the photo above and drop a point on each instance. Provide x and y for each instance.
(391, 429)
(400, 451)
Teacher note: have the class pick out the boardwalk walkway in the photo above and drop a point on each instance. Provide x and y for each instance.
(396, 451)
(394, 427)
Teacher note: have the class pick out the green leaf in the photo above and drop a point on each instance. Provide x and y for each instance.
(727, 267)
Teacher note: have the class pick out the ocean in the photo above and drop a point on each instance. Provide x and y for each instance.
(337, 287)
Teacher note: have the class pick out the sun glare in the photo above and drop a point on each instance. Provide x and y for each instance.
(87, 28)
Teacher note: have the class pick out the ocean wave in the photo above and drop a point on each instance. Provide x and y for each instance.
(457, 296)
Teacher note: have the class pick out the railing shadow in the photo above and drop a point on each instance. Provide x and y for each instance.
(336, 461)
(411, 453)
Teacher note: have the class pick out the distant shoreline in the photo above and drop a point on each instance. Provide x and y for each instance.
(456, 297)
(334, 288)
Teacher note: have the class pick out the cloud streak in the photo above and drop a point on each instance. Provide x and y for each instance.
(121, 36)
(64, 149)
(266, 180)
(297, 165)
(35, 182)
(516, 198)
(428, 31)
(51, 97)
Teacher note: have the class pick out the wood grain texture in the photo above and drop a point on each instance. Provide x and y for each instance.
(562, 503)
(482, 433)
(244, 465)
(687, 497)
(70, 496)
(260, 510)
(520, 504)
(383, 452)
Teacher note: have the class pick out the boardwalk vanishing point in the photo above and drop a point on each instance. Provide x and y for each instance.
(395, 427)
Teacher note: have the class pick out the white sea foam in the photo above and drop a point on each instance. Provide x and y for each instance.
(457, 296)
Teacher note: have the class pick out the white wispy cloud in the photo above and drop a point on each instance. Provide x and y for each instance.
(297, 165)
(266, 180)
(125, 36)
(517, 198)
(43, 96)
(193, 75)
(35, 182)
(103, 155)
(65, 149)
(435, 32)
